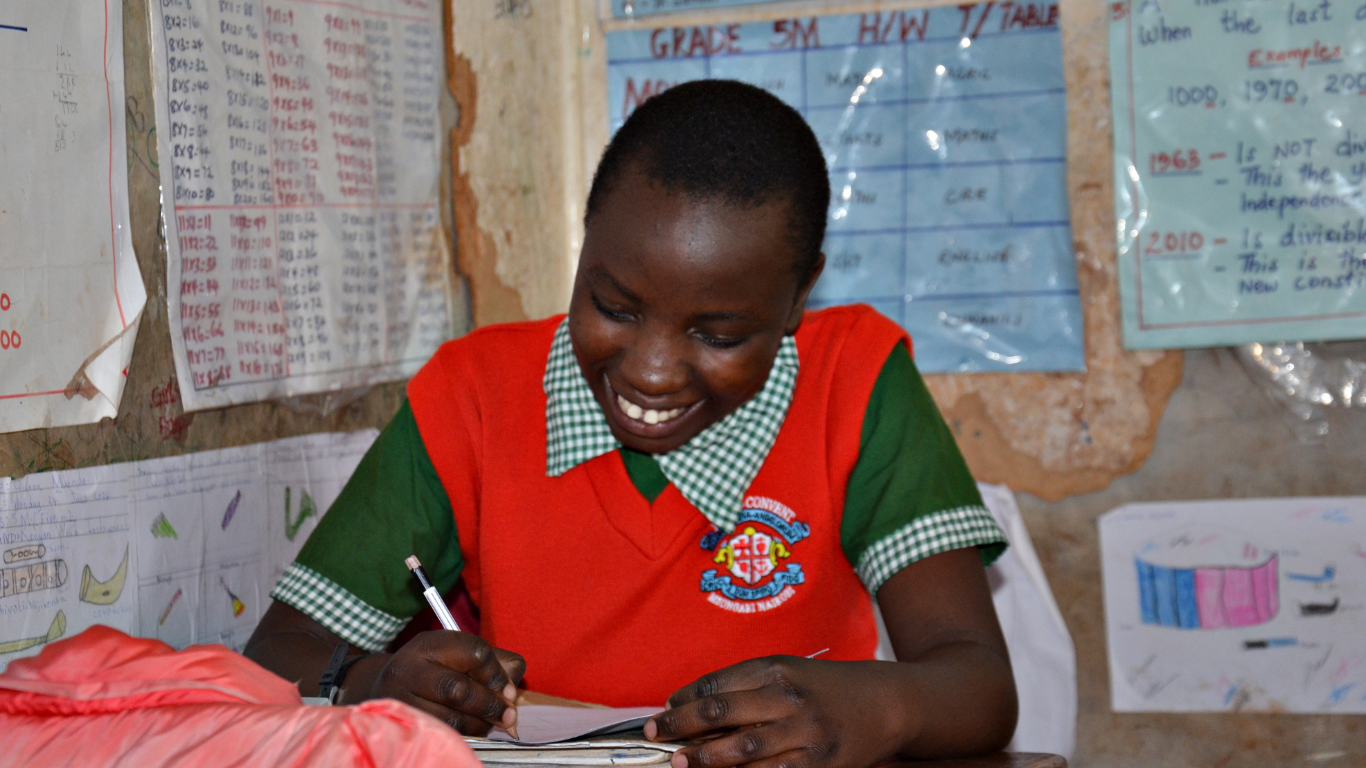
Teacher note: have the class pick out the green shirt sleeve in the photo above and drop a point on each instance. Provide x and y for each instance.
(910, 494)
(393, 506)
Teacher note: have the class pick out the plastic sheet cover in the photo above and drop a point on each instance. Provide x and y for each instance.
(300, 163)
(1240, 152)
(945, 132)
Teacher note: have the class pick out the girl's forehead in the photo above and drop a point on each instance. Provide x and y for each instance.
(643, 225)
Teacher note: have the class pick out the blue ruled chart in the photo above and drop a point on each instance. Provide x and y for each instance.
(945, 133)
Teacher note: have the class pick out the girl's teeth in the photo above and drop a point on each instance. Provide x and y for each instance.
(649, 417)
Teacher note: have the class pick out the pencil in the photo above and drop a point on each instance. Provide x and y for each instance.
(443, 614)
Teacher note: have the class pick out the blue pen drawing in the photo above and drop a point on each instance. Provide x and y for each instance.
(1328, 573)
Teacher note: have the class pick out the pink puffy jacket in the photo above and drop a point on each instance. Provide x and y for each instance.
(103, 698)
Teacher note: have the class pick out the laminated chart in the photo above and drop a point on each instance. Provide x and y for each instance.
(1240, 154)
(299, 178)
(71, 293)
(945, 136)
(148, 539)
(629, 9)
(1249, 604)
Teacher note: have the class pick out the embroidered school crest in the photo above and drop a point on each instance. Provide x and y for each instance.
(757, 572)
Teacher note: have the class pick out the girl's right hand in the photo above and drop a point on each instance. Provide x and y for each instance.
(456, 677)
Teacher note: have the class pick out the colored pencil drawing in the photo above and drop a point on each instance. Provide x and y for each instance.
(166, 614)
(24, 579)
(26, 552)
(1206, 578)
(162, 529)
(231, 510)
(307, 509)
(54, 631)
(237, 605)
(104, 592)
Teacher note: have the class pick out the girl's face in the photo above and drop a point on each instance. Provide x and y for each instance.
(679, 307)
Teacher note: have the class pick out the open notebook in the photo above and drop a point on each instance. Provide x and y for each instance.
(554, 735)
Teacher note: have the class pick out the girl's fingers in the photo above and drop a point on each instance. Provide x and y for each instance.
(718, 712)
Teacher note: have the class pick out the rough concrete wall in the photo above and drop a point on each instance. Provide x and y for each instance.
(1221, 437)
(151, 422)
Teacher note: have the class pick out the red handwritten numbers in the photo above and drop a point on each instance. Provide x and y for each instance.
(1173, 243)
(8, 339)
(1178, 161)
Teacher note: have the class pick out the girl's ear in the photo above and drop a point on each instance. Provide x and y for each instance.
(794, 320)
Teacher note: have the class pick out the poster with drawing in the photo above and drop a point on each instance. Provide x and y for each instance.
(184, 549)
(1238, 605)
(71, 294)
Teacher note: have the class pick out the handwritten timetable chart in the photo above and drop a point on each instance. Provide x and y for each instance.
(1240, 153)
(299, 167)
(945, 136)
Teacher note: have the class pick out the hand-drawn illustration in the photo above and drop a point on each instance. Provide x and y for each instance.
(167, 613)
(1206, 578)
(104, 592)
(32, 578)
(1252, 605)
(307, 509)
(162, 529)
(1328, 573)
(26, 552)
(54, 631)
(1320, 609)
(232, 509)
(237, 605)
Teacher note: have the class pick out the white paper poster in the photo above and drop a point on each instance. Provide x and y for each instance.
(184, 549)
(299, 187)
(71, 294)
(1243, 605)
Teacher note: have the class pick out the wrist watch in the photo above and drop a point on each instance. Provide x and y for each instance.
(329, 685)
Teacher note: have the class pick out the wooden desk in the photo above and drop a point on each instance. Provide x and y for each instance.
(998, 760)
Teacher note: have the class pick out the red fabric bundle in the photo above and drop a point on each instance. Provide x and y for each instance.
(103, 698)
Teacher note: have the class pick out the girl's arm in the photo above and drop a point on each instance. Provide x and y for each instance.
(454, 676)
(950, 695)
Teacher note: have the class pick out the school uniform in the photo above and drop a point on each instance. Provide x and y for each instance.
(622, 576)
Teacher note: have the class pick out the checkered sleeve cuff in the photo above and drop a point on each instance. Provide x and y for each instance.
(971, 526)
(333, 606)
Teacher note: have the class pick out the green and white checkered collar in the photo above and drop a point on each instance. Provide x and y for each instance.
(712, 471)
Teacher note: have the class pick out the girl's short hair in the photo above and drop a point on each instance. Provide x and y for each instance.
(726, 140)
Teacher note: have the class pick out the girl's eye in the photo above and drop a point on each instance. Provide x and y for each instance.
(720, 342)
(608, 312)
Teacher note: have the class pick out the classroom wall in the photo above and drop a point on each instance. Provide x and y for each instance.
(151, 422)
(1219, 437)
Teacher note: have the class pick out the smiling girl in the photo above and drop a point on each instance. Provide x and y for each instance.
(680, 490)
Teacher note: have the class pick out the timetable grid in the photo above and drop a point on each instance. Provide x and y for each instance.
(944, 133)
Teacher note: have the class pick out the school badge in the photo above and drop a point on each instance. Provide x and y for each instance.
(755, 558)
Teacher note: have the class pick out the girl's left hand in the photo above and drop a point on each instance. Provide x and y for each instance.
(788, 712)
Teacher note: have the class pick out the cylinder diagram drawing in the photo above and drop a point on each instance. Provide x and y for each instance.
(1207, 578)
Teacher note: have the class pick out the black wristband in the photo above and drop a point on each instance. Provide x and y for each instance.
(329, 685)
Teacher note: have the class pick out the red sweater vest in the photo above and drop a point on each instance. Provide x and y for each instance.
(618, 601)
